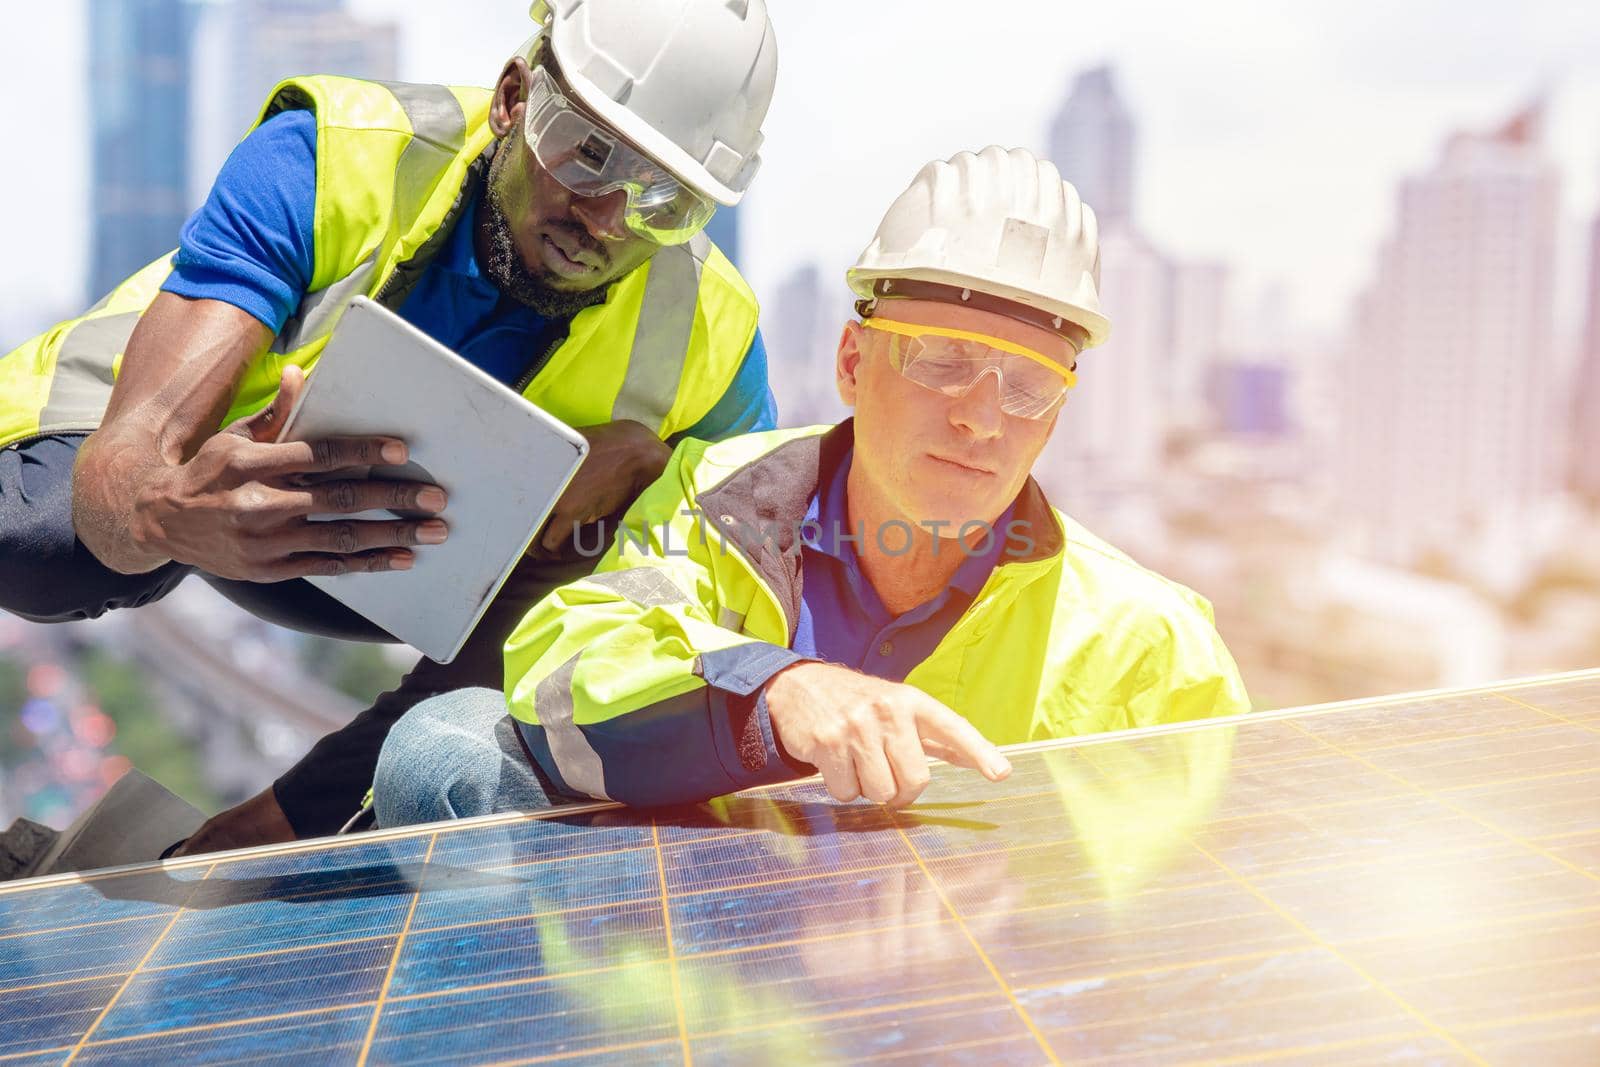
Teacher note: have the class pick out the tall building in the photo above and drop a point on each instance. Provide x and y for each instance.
(245, 47)
(1092, 142)
(801, 329)
(1585, 437)
(724, 233)
(1198, 299)
(1106, 449)
(1448, 429)
(139, 53)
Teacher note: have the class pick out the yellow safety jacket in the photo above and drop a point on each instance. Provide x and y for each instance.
(608, 676)
(393, 161)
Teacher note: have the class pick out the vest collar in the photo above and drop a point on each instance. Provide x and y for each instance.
(759, 508)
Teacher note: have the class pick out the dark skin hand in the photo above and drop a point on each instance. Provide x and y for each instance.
(258, 821)
(624, 458)
(157, 482)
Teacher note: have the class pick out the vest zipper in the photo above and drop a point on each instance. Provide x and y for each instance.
(527, 376)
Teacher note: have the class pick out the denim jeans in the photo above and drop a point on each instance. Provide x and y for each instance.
(455, 756)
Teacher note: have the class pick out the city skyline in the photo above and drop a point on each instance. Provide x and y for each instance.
(1348, 114)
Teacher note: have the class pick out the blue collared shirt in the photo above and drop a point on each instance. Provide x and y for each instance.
(843, 620)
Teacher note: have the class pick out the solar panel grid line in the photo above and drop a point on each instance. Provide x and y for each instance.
(123, 988)
(1435, 795)
(1405, 1005)
(970, 1011)
(268, 953)
(919, 992)
(1551, 714)
(233, 1024)
(559, 1057)
(1318, 1053)
(672, 951)
(513, 983)
(394, 959)
(1205, 1052)
(977, 947)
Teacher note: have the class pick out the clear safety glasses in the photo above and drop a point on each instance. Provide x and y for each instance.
(952, 362)
(591, 161)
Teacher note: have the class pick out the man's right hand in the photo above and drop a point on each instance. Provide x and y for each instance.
(238, 508)
(870, 737)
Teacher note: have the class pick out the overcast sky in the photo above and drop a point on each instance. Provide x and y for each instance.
(1271, 135)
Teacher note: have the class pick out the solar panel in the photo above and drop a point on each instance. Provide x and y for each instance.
(1413, 878)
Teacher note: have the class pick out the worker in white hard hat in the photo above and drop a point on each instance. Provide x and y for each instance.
(550, 230)
(852, 599)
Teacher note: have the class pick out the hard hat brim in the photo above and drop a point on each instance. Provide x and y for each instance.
(1094, 324)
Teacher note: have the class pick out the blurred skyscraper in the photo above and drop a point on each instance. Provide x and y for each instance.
(800, 329)
(1448, 427)
(1199, 292)
(1106, 449)
(1092, 142)
(1586, 416)
(245, 47)
(724, 232)
(139, 59)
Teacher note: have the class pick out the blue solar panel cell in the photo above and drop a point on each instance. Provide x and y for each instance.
(1413, 880)
(297, 1041)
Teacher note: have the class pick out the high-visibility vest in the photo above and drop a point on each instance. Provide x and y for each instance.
(392, 163)
(1068, 635)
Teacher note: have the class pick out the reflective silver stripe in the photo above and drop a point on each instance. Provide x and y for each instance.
(81, 384)
(439, 132)
(661, 339)
(575, 758)
(319, 312)
(645, 586)
(729, 619)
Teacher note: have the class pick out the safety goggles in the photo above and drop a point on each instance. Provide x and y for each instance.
(952, 362)
(591, 161)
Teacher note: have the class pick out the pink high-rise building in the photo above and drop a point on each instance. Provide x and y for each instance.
(1447, 432)
(1585, 435)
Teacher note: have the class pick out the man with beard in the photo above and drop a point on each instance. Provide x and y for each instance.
(548, 230)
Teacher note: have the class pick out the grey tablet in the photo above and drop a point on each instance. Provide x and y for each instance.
(503, 462)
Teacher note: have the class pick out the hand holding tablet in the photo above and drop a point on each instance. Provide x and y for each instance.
(501, 462)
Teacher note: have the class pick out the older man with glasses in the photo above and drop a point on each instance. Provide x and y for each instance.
(851, 599)
(548, 229)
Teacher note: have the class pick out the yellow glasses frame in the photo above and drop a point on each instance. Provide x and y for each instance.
(906, 329)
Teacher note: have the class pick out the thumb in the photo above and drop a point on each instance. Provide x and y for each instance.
(266, 424)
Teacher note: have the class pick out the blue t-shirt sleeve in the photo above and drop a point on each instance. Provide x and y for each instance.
(250, 243)
(748, 405)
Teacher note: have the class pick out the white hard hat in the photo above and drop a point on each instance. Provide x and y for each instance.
(1001, 223)
(686, 81)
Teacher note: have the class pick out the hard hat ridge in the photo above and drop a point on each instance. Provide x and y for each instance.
(999, 221)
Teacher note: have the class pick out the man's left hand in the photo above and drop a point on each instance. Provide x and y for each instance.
(623, 459)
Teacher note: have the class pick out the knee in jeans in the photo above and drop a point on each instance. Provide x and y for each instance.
(432, 759)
